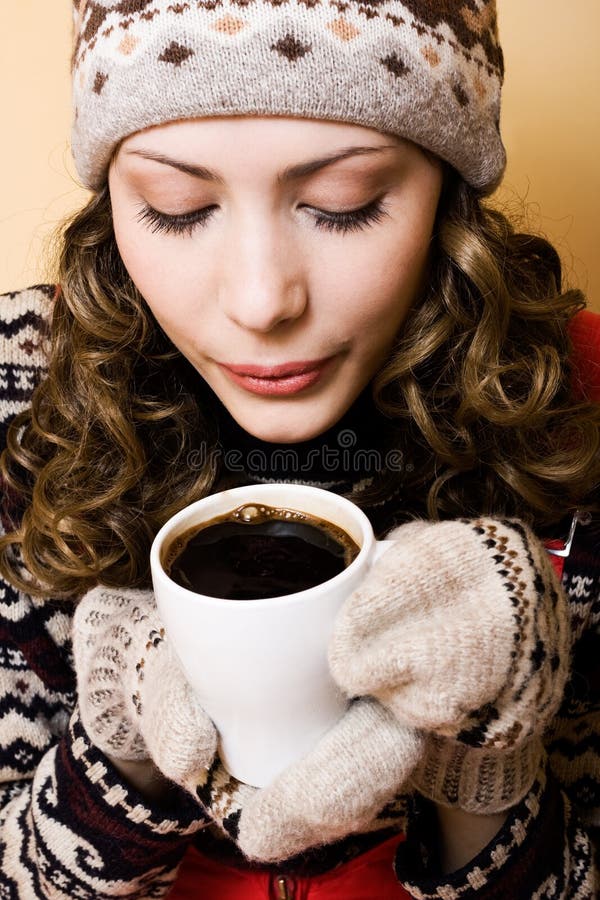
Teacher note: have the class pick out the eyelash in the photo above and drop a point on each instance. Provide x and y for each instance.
(185, 223)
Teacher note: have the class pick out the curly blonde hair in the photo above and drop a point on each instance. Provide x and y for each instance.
(479, 383)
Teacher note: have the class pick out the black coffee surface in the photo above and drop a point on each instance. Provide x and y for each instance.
(259, 551)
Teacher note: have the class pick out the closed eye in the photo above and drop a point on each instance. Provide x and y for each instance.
(351, 220)
(186, 223)
(182, 223)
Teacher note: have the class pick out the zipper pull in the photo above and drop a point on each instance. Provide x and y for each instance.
(283, 892)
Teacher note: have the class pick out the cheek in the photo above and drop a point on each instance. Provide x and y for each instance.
(372, 295)
(157, 270)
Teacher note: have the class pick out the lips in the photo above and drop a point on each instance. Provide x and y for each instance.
(285, 370)
(281, 380)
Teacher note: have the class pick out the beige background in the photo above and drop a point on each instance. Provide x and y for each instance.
(551, 125)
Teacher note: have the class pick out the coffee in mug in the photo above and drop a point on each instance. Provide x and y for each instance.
(258, 551)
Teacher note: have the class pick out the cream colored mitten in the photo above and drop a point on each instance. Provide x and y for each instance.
(134, 700)
(476, 779)
(337, 789)
(461, 629)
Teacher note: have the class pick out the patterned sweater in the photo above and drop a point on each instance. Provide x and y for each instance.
(71, 828)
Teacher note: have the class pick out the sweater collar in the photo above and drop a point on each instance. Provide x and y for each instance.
(350, 451)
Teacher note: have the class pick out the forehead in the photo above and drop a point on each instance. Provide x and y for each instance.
(285, 148)
(251, 133)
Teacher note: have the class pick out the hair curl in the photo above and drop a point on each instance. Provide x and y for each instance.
(483, 375)
(479, 381)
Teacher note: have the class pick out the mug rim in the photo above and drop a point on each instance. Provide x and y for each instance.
(366, 530)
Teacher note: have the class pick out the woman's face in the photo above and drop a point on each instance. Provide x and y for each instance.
(279, 255)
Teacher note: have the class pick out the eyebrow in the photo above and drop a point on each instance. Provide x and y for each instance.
(292, 173)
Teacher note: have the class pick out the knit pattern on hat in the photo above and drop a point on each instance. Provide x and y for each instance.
(430, 72)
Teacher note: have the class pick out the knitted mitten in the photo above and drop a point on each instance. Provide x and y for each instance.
(476, 779)
(337, 789)
(461, 629)
(134, 700)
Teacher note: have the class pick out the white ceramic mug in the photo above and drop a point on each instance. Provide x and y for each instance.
(259, 667)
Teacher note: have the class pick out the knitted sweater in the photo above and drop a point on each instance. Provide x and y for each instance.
(71, 828)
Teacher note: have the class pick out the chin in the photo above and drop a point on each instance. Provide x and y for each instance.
(282, 435)
(292, 430)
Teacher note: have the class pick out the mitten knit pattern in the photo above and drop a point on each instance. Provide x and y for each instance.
(476, 779)
(104, 629)
(461, 629)
(348, 784)
(134, 700)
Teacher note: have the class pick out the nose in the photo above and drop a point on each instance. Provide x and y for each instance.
(262, 284)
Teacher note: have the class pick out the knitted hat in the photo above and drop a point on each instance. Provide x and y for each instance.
(427, 70)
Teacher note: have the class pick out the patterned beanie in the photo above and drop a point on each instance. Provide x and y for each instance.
(430, 71)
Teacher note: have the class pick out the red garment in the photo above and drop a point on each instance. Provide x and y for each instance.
(584, 330)
(585, 334)
(557, 561)
(366, 876)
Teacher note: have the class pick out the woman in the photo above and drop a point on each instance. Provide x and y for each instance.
(287, 246)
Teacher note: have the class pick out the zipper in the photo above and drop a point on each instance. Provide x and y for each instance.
(285, 890)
